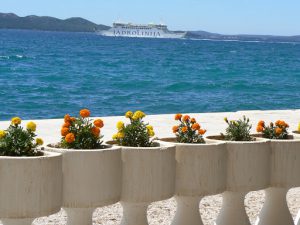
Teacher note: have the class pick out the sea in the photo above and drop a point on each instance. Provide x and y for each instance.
(49, 74)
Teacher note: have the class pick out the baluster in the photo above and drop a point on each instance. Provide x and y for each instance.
(77, 216)
(285, 167)
(134, 213)
(275, 210)
(148, 176)
(187, 211)
(297, 221)
(233, 209)
(200, 171)
(248, 169)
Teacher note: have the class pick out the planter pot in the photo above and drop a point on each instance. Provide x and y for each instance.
(148, 176)
(200, 171)
(30, 187)
(296, 133)
(91, 179)
(248, 169)
(285, 167)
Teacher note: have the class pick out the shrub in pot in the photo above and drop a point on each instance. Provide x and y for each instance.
(248, 169)
(200, 168)
(91, 170)
(148, 168)
(285, 167)
(31, 179)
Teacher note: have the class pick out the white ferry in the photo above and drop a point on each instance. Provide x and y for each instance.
(141, 31)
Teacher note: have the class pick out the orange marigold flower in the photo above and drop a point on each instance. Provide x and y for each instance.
(64, 131)
(184, 129)
(193, 120)
(280, 123)
(201, 131)
(196, 126)
(186, 118)
(98, 123)
(175, 129)
(95, 131)
(278, 131)
(70, 138)
(85, 113)
(259, 128)
(67, 118)
(178, 116)
(67, 124)
(73, 119)
(261, 123)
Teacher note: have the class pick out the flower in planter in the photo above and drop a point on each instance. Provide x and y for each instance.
(298, 128)
(277, 131)
(135, 134)
(188, 131)
(81, 132)
(238, 130)
(17, 141)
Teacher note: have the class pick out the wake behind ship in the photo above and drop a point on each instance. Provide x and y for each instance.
(141, 31)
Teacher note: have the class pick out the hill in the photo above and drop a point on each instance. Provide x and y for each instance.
(46, 23)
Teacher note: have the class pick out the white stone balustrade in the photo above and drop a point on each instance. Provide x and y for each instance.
(138, 177)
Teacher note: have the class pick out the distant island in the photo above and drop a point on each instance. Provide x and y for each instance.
(77, 24)
(47, 23)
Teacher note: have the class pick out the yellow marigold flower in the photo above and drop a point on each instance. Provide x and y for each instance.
(31, 126)
(139, 114)
(120, 125)
(120, 135)
(299, 127)
(2, 133)
(16, 120)
(149, 127)
(151, 133)
(39, 141)
(115, 137)
(129, 114)
(226, 119)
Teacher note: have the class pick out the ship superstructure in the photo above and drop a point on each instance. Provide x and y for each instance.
(142, 31)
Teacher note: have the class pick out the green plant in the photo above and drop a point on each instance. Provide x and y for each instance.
(136, 133)
(188, 131)
(81, 132)
(16, 141)
(277, 131)
(238, 130)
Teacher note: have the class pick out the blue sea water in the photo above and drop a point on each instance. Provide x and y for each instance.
(48, 74)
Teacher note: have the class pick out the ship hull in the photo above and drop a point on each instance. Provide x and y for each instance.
(136, 33)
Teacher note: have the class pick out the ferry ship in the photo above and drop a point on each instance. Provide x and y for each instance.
(141, 31)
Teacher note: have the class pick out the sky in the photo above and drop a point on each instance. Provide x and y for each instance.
(277, 17)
